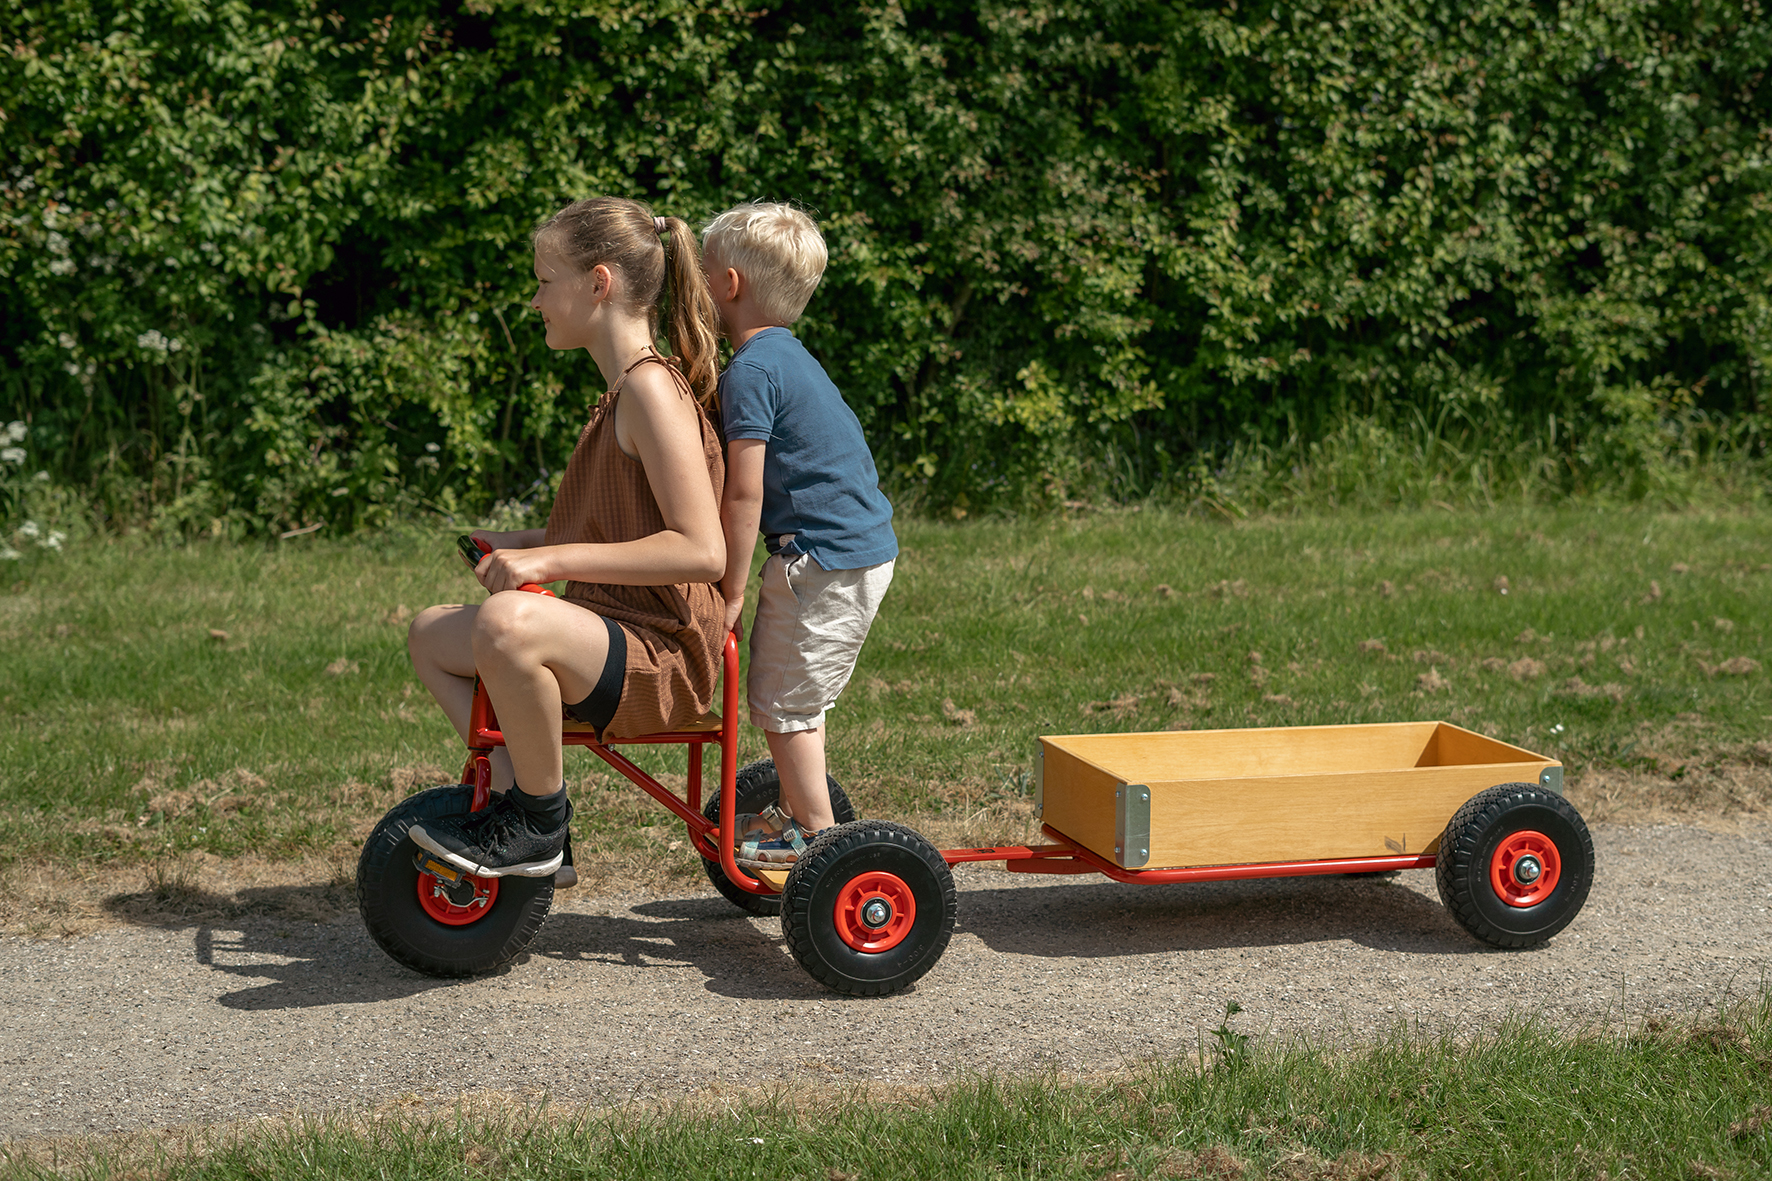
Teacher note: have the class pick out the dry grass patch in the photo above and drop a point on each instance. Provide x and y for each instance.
(42, 903)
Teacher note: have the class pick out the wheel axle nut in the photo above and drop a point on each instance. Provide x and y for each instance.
(1527, 870)
(876, 913)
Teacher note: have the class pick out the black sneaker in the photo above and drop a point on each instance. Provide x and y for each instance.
(494, 842)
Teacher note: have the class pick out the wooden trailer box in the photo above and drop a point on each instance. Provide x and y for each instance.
(1242, 797)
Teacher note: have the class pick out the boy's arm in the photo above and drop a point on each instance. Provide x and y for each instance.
(741, 508)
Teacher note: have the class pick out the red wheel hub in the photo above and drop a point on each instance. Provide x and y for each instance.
(1525, 868)
(433, 897)
(875, 911)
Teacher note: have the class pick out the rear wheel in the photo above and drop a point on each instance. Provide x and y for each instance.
(1515, 865)
(758, 786)
(869, 908)
(432, 925)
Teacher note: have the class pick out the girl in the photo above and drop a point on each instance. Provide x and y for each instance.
(633, 646)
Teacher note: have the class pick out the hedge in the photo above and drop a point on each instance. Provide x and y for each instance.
(265, 265)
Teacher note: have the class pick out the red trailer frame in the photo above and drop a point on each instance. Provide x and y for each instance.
(716, 842)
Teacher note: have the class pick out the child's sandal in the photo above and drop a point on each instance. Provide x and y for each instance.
(753, 826)
(774, 851)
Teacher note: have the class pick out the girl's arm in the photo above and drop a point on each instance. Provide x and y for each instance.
(741, 509)
(517, 539)
(662, 427)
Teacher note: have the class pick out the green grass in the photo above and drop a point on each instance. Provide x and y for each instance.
(132, 731)
(1523, 1102)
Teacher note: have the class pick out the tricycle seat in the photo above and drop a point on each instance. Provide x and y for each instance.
(708, 723)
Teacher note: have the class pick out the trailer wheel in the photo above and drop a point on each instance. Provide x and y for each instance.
(1515, 865)
(759, 785)
(869, 908)
(412, 916)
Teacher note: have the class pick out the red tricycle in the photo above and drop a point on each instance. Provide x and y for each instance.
(869, 907)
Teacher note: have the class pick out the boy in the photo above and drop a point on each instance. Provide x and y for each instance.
(798, 469)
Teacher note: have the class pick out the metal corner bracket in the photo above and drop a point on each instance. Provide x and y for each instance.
(1132, 825)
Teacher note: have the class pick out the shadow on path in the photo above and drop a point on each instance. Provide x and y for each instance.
(301, 964)
(1091, 918)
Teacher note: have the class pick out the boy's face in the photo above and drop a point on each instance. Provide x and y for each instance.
(565, 297)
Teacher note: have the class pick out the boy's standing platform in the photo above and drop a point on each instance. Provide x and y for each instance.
(799, 472)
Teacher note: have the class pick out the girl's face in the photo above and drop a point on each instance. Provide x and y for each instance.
(566, 298)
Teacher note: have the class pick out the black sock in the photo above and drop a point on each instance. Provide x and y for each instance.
(546, 813)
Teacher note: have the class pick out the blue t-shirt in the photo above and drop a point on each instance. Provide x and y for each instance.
(821, 493)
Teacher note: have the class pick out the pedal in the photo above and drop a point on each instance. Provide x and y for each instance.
(456, 886)
(775, 879)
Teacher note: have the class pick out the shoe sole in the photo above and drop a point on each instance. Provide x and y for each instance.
(532, 869)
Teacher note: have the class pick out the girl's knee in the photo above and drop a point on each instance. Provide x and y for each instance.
(423, 627)
(506, 623)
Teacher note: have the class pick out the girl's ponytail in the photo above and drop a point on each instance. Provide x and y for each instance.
(692, 319)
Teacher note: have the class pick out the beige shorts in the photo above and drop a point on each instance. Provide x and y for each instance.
(807, 633)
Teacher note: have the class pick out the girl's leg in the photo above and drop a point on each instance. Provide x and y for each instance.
(533, 654)
(441, 642)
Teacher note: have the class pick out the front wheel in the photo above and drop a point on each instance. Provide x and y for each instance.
(757, 786)
(869, 908)
(1515, 865)
(434, 926)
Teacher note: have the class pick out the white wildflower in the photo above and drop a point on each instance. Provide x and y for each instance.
(12, 454)
(432, 448)
(54, 540)
(473, 317)
(57, 244)
(8, 554)
(16, 431)
(29, 529)
(174, 344)
(152, 341)
(66, 340)
(62, 266)
(341, 491)
(41, 477)
(73, 368)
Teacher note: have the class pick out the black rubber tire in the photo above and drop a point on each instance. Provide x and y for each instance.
(757, 786)
(1462, 869)
(387, 897)
(809, 904)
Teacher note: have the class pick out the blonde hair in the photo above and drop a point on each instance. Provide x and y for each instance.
(658, 258)
(776, 247)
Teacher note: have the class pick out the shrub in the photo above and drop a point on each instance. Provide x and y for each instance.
(265, 265)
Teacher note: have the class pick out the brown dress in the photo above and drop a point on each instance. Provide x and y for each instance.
(675, 633)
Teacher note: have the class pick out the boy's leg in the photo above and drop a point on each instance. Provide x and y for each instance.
(799, 760)
(805, 638)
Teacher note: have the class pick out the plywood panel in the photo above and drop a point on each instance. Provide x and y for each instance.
(1223, 754)
(1456, 746)
(1312, 817)
(1079, 799)
(1222, 797)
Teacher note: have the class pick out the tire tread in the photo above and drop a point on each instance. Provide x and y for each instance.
(381, 911)
(1460, 849)
(797, 897)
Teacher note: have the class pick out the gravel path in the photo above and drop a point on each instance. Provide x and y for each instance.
(639, 996)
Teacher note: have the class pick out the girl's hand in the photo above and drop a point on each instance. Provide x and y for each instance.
(734, 609)
(509, 569)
